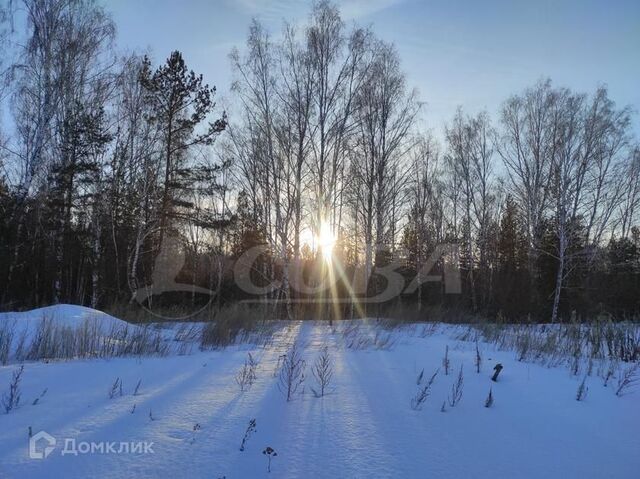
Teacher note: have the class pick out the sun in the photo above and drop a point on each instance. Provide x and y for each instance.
(326, 240)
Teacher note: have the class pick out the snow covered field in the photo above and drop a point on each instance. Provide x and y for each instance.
(192, 410)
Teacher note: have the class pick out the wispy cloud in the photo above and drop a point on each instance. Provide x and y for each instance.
(354, 9)
(276, 10)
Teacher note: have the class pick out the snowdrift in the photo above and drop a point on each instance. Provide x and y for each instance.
(68, 331)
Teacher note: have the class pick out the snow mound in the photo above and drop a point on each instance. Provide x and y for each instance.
(68, 332)
(69, 315)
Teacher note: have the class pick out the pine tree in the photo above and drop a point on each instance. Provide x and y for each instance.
(512, 240)
(512, 284)
(180, 102)
(74, 179)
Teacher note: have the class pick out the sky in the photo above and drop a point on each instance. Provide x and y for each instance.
(470, 52)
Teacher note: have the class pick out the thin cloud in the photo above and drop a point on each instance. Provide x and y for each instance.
(354, 9)
(279, 9)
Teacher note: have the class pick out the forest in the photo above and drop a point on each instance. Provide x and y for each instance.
(324, 165)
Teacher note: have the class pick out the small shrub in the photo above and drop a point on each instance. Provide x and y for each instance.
(322, 372)
(116, 388)
(445, 361)
(251, 428)
(11, 400)
(291, 373)
(247, 374)
(478, 358)
(423, 393)
(609, 374)
(628, 380)
(581, 394)
(279, 363)
(456, 390)
(575, 363)
(7, 330)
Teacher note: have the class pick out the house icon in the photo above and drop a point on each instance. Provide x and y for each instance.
(49, 445)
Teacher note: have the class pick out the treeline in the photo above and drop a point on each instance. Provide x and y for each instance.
(107, 159)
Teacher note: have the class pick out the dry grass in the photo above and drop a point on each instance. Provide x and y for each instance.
(92, 339)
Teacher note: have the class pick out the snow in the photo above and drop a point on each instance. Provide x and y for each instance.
(364, 427)
(69, 315)
(66, 315)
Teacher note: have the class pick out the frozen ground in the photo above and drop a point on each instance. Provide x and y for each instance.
(364, 427)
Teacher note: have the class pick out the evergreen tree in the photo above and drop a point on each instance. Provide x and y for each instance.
(181, 103)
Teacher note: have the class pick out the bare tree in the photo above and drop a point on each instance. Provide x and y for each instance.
(426, 218)
(46, 97)
(386, 112)
(527, 146)
(630, 201)
(584, 173)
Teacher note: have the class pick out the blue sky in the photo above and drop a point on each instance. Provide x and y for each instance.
(472, 53)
